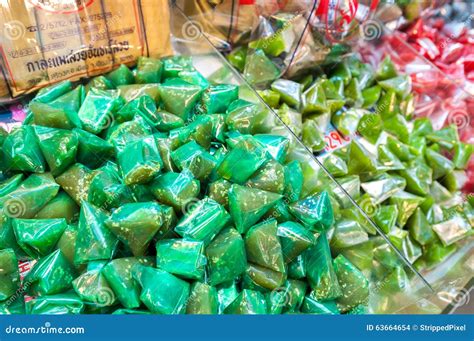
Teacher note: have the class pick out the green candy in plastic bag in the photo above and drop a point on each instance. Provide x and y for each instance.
(135, 224)
(161, 292)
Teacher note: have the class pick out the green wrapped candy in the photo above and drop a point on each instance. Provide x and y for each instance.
(312, 137)
(314, 100)
(49, 115)
(419, 227)
(294, 239)
(92, 151)
(406, 204)
(270, 177)
(118, 274)
(161, 292)
(107, 190)
(59, 304)
(135, 224)
(51, 275)
(184, 258)
(249, 302)
(312, 306)
(61, 206)
(175, 189)
(9, 274)
(226, 257)
(52, 92)
(203, 221)
(195, 158)
(202, 299)
(121, 76)
(355, 287)
(179, 97)
(94, 240)
(259, 69)
(260, 278)
(320, 271)
(96, 111)
(38, 237)
(30, 197)
(290, 92)
(140, 161)
(452, 230)
(248, 205)
(59, 147)
(92, 287)
(263, 246)
(217, 98)
(76, 181)
(148, 70)
(244, 116)
(315, 211)
(242, 161)
(22, 151)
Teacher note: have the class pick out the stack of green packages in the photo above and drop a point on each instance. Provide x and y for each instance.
(403, 173)
(155, 191)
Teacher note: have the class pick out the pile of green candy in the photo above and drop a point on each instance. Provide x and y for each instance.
(154, 191)
(403, 173)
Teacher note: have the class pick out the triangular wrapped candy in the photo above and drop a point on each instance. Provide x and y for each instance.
(135, 224)
(263, 246)
(52, 274)
(140, 161)
(406, 204)
(179, 97)
(94, 240)
(202, 299)
(203, 221)
(248, 302)
(9, 274)
(294, 239)
(60, 304)
(92, 287)
(22, 151)
(360, 160)
(38, 237)
(30, 197)
(419, 227)
(106, 189)
(175, 189)
(260, 278)
(76, 181)
(61, 206)
(226, 257)
(242, 161)
(59, 147)
(247, 205)
(183, 258)
(270, 177)
(161, 292)
(320, 271)
(96, 111)
(92, 151)
(195, 158)
(355, 287)
(118, 273)
(313, 306)
(314, 211)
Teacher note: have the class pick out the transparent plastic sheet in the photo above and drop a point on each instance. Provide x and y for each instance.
(393, 284)
(46, 42)
(371, 31)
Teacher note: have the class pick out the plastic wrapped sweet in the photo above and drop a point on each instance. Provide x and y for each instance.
(204, 216)
(360, 121)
